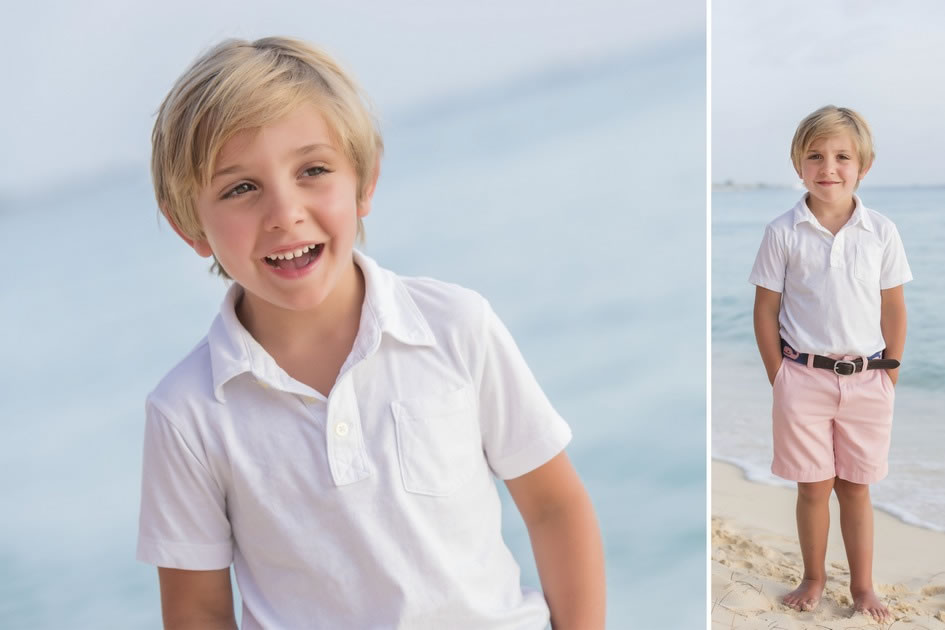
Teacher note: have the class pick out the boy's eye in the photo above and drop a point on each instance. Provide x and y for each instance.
(238, 190)
(314, 171)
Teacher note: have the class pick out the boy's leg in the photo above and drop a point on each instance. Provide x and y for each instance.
(861, 443)
(813, 523)
(856, 524)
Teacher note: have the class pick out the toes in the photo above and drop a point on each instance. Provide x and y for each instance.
(880, 614)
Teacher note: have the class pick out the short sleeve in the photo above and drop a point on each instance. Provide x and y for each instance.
(183, 523)
(520, 428)
(770, 263)
(895, 268)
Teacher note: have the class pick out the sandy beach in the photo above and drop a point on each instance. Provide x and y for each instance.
(756, 560)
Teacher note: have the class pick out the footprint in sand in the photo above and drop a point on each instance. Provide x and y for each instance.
(744, 597)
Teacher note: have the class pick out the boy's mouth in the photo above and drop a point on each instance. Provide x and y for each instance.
(295, 259)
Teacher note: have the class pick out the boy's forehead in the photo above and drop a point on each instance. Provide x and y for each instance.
(836, 140)
(303, 129)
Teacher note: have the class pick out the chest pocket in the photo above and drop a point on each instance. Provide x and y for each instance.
(438, 441)
(867, 264)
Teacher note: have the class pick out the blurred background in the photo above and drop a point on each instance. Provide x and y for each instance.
(550, 157)
(772, 64)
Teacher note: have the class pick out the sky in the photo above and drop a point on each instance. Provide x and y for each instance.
(775, 62)
(80, 98)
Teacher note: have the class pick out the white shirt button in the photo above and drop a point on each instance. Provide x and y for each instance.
(341, 429)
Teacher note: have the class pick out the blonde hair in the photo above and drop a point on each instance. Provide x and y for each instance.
(830, 121)
(239, 85)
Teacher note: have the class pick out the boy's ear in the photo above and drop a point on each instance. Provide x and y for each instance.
(865, 170)
(367, 194)
(199, 245)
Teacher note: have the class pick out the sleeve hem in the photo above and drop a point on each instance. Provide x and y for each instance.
(765, 284)
(892, 285)
(194, 557)
(534, 455)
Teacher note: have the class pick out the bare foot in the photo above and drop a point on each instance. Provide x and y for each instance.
(868, 602)
(806, 596)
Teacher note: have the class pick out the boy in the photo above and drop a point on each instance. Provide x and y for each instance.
(830, 321)
(336, 434)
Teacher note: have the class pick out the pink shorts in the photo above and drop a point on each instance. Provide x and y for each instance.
(827, 425)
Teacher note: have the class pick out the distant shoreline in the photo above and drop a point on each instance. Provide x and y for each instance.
(732, 186)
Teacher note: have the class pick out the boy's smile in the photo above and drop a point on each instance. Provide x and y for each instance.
(280, 214)
(293, 261)
(831, 171)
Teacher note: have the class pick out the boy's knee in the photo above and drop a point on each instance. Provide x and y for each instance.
(815, 492)
(849, 491)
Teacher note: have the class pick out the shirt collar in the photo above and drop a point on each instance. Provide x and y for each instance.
(860, 215)
(394, 311)
(387, 309)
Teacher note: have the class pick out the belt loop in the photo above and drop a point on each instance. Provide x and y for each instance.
(866, 362)
(810, 359)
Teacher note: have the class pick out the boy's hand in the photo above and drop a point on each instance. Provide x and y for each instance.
(773, 374)
(893, 375)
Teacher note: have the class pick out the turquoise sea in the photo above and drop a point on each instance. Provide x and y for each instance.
(549, 194)
(741, 400)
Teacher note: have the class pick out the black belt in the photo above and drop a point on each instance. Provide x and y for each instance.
(842, 367)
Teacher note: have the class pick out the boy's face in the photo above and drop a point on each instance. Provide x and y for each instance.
(831, 169)
(285, 190)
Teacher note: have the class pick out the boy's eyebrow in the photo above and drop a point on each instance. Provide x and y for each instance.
(308, 148)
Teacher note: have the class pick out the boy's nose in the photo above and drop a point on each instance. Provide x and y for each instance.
(284, 210)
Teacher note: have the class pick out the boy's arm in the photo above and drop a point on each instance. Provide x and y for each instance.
(566, 542)
(768, 329)
(892, 323)
(196, 600)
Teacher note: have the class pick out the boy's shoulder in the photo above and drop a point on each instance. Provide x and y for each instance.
(446, 307)
(439, 295)
(191, 379)
(450, 310)
(879, 221)
(787, 220)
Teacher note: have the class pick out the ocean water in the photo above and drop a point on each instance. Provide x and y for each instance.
(741, 397)
(552, 197)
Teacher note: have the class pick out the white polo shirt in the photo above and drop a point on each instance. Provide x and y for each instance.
(373, 508)
(830, 285)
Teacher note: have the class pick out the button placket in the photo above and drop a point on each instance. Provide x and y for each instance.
(837, 250)
(347, 458)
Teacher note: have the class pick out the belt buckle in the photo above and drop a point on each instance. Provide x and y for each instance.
(847, 365)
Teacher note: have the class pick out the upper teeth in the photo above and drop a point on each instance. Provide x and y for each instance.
(290, 255)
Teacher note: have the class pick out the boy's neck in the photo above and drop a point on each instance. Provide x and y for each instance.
(834, 212)
(333, 324)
